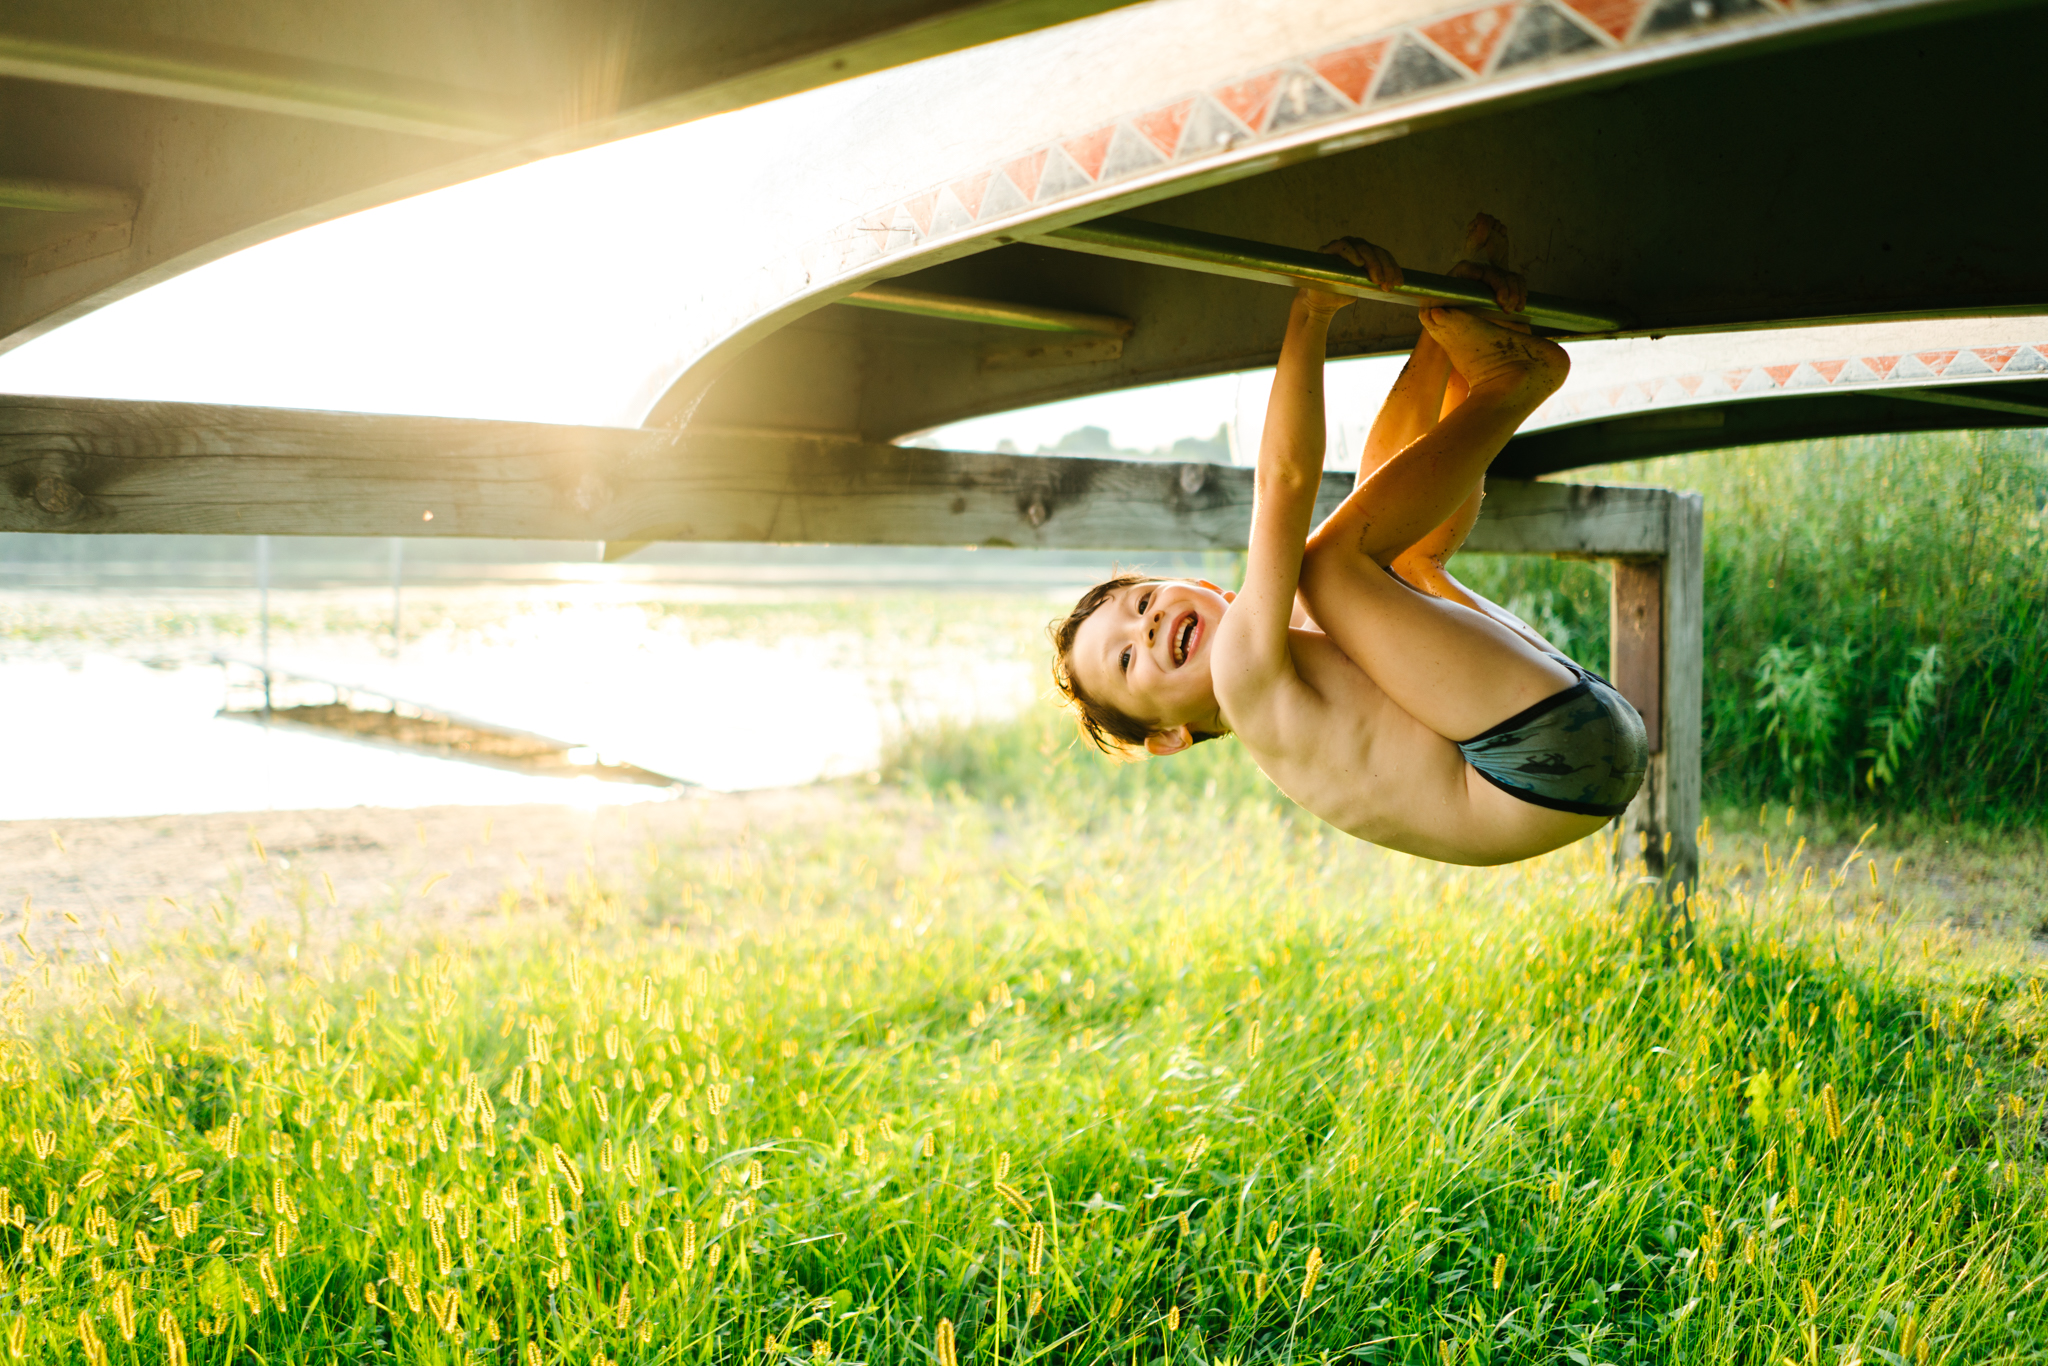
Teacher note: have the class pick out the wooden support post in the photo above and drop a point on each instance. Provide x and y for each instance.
(1655, 659)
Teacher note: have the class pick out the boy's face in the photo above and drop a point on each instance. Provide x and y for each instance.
(1145, 651)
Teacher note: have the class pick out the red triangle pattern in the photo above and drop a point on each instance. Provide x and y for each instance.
(1250, 100)
(1352, 69)
(1025, 173)
(1780, 373)
(1472, 36)
(1733, 378)
(1882, 366)
(1937, 361)
(920, 208)
(1090, 149)
(970, 192)
(1614, 17)
(1829, 369)
(1691, 383)
(1162, 127)
(1997, 357)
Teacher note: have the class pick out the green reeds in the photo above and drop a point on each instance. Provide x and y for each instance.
(1877, 620)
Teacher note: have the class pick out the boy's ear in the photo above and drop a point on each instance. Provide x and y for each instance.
(1161, 743)
(1228, 596)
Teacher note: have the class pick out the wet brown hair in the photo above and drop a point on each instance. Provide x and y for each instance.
(1112, 731)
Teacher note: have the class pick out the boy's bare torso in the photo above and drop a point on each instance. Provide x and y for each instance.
(1342, 749)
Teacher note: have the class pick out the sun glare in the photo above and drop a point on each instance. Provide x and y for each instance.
(561, 291)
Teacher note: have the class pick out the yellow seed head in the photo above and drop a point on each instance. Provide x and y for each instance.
(1500, 1269)
(1173, 1318)
(1310, 1272)
(942, 1344)
(1034, 1260)
(1810, 1299)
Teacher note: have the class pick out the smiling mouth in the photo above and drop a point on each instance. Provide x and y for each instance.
(1184, 633)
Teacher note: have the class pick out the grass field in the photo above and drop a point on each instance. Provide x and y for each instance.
(1040, 1059)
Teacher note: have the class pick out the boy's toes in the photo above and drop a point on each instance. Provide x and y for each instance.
(1486, 239)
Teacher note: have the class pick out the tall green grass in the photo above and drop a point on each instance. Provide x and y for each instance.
(1876, 625)
(1083, 1077)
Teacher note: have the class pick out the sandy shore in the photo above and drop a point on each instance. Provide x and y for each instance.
(68, 883)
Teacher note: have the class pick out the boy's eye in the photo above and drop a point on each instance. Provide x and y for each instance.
(1143, 603)
(1124, 660)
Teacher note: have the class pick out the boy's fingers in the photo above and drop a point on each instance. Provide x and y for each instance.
(1510, 290)
(1347, 247)
(1383, 268)
(1377, 262)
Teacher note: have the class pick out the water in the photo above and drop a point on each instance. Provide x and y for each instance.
(115, 698)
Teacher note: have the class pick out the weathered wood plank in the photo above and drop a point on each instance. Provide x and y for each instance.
(1658, 626)
(77, 465)
(1527, 518)
(1635, 636)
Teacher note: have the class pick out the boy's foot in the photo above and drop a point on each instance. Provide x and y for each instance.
(1496, 361)
(1485, 258)
(1486, 239)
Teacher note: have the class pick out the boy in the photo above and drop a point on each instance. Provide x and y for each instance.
(1409, 711)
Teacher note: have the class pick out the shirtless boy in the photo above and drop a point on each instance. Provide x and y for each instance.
(1398, 706)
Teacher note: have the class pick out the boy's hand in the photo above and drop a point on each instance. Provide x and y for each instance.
(1510, 290)
(1377, 262)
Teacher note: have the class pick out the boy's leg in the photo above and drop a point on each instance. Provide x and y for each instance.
(1428, 389)
(1458, 671)
(1436, 476)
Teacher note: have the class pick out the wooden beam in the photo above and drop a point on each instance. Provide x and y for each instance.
(1657, 659)
(1635, 641)
(89, 465)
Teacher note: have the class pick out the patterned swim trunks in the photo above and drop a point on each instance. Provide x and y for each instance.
(1582, 750)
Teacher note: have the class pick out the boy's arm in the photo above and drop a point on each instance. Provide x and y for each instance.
(1289, 476)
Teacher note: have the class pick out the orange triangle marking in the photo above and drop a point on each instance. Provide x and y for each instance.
(1615, 17)
(920, 209)
(1780, 373)
(1882, 366)
(1733, 378)
(1249, 100)
(1691, 383)
(1024, 173)
(1472, 36)
(1829, 369)
(1997, 357)
(1351, 70)
(970, 191)
(1089, 149)
(1162, 127)
(1937, 361)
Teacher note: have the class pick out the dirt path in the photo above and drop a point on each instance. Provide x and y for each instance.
(433, 867)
